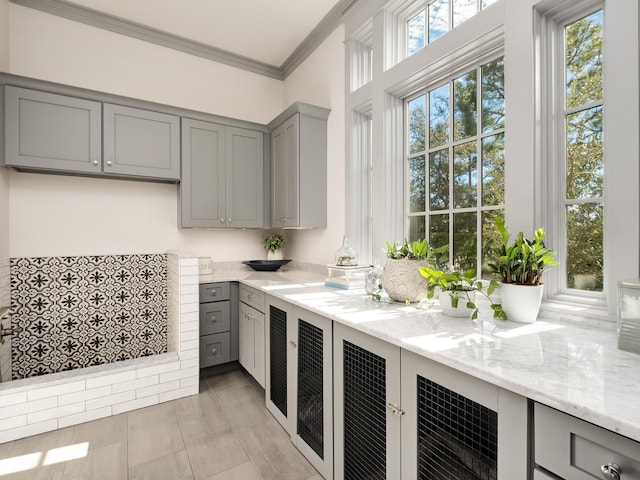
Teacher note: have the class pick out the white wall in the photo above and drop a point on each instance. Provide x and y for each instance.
(320, 80)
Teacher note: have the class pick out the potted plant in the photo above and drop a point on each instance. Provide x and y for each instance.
(401, 278)
(457, 292)
(520, 266)
(273, 243)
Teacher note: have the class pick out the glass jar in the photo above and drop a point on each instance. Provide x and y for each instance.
(373, 278)
(346, 256)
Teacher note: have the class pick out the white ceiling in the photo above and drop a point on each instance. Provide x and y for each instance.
(265, 31)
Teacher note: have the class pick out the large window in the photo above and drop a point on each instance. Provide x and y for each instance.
(582, 183)
(455, 164)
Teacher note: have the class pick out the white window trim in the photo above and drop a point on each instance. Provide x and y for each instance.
(621, 126)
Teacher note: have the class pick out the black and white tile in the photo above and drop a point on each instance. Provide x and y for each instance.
(74, 312)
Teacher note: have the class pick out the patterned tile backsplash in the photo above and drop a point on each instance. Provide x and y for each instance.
(74, 312)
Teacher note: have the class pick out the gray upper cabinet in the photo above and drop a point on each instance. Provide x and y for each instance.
(52, 132)
(141, 143)
(222, 176)
(299, 167)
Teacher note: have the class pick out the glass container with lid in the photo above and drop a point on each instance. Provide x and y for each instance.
(346, 256)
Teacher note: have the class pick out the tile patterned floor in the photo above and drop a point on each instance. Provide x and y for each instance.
(224, 433)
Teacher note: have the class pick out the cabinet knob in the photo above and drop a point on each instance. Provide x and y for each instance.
(229, 220)
(250, 296)
(214, 319)
(214, 351)
(611, 471)
(109, 163)
(221, 220)
(95, 162)
(213, 293)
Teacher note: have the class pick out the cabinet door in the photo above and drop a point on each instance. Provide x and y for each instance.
(202, 188)
(141, 143)
(285, 174)
(52, 132)
(259, 348)
(366, 395)
(244, 174)
(279, 368)
(312, 383)
(247, 339)
(457, 426)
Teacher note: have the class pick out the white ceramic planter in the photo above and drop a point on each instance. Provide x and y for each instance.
(402, 280)
(461, 310)
(521, 303)
(275, 255)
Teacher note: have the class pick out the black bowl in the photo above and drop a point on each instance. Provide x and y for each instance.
(266, 265)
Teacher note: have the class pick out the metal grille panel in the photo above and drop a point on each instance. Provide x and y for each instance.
(310, 386)
(457, 437)
(278, 358)
(365, 414)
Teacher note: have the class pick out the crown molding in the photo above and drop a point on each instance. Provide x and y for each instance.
(95, 18)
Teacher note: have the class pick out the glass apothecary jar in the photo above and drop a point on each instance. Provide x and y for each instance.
(346, 256)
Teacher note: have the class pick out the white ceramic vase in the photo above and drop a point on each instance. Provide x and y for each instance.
(461, 310)
(402, 280)
(275, 255)
(521, 303)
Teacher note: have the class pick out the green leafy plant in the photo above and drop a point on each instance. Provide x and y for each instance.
(273, 242)
(459, 285)
(416, 250)
(523, 261)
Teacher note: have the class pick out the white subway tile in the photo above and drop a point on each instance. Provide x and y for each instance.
(157, 369)
(110, 379)
(190, 335)
(190, 298)
(159, 388)
(13, 422)
(188, 372)
(101, 402)
(12, 398)
(189, 381)
(189, 289)
(85, 395)
(84, 417)
(60, 389)
(187, 354)
(189, 325)
(189, 280)
(191, 362)
(134, 404)
(189, 308)
(189, 345)
(183, 392)
(189, 261)
(28, 407)
(134, 384)
(28, 430)
(54, 413)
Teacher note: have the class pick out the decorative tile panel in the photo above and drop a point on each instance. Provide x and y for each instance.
(75, 312)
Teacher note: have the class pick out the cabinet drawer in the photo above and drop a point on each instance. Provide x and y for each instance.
(215, 317)
(572, 448)
(215, 349)
(212, 292)
(252, 296)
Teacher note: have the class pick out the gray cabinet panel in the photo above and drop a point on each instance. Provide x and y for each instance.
(299, 167)
(244, 176)
(202, 188)
(141, 143)
(222, 176)
(52, 132)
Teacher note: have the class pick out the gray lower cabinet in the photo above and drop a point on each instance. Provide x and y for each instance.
(400, 415)
(218, 323)
(299, 379)
(51, 132)
(569, 448)
(252, 332)
(299, 167)
(140, 143)
(222, 182)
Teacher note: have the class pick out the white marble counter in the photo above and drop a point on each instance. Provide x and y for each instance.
(574, 368)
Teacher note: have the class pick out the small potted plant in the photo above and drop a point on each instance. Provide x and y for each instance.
(401, 278)
(273, 243)
(520, 266)
(457, 292)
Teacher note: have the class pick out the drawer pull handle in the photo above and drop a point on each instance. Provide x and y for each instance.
(214, 351)
(214, 319)
(395, 409)
(250, 296)
(293, 344)
(611, 471)
(213, 293)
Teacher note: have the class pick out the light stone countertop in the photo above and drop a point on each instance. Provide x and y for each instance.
(575, 368)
